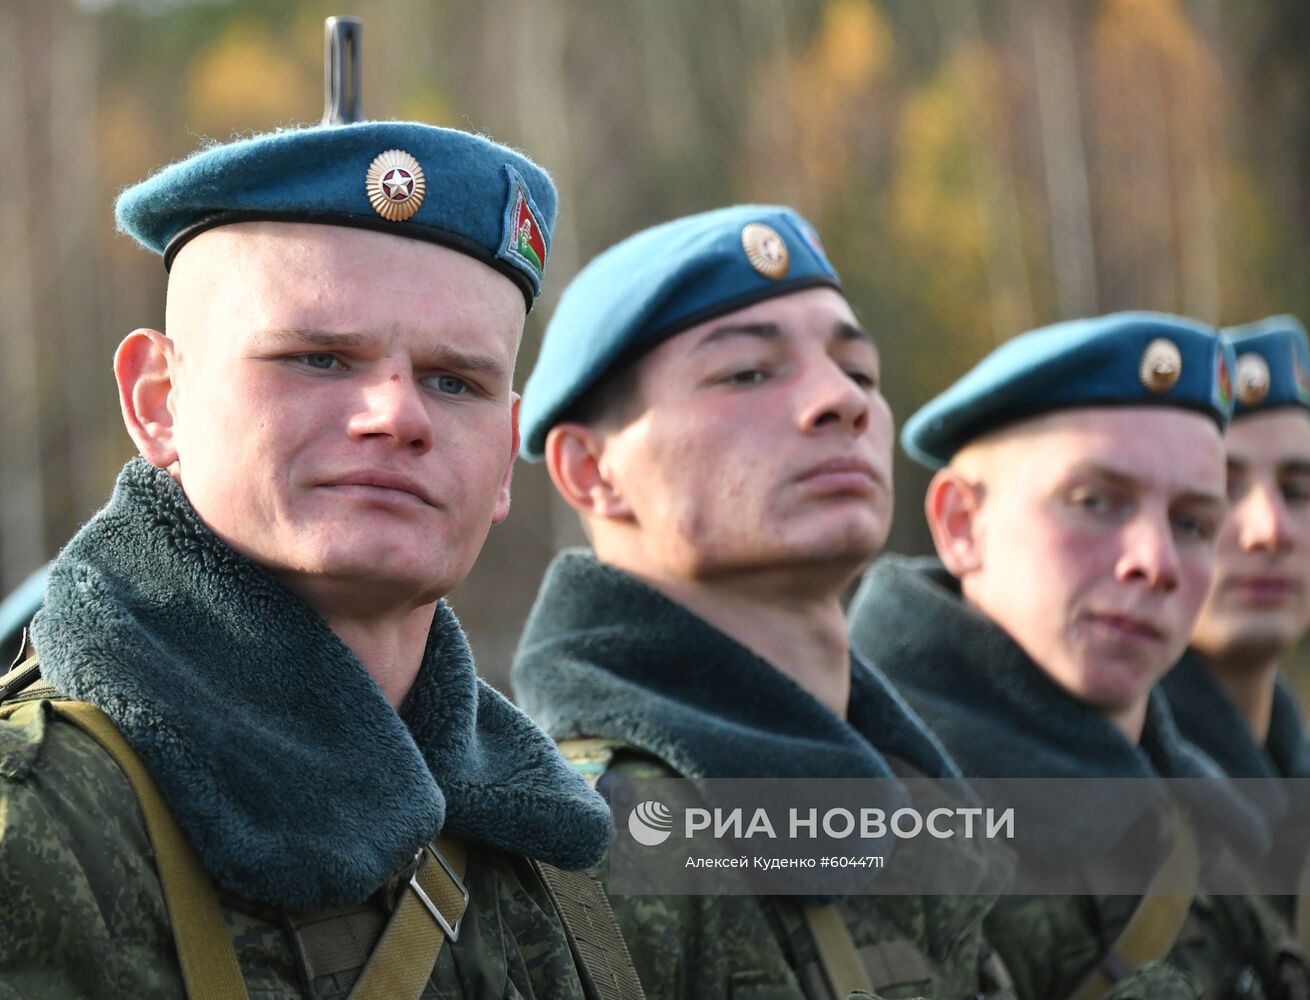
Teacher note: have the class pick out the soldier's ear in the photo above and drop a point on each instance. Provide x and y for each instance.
(143, 367)
(952, 506)
(502, 499)
(575, 459)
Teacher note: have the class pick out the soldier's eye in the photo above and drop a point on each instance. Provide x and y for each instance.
(747, 376)
(1296, 494)
(1193, 526)
(1091, 502)
(448, 385)
(322, 362)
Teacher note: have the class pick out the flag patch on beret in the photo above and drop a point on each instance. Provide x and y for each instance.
(524, 241)
(1223, 381)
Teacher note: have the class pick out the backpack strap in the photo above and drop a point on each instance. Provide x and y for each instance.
(1156, 922)
(599, 952)
(204, 946)
(398, 968)
(20, 677)
(429, 912)
(838, 957)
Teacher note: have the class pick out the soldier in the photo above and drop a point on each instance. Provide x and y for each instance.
(708, 403)
(1075, 510)
(1225, 692)
(275, 711)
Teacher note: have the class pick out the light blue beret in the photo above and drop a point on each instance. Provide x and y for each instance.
(640, 292)
(404, 178)
(1124, 359)
(1273, 365)
(17, 609)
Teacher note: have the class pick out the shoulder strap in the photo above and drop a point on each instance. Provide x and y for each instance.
(429, 913)
(398, 968)
(204, 946)
(604, 964)
(838, 957)
(1156, 922)
(22, 676)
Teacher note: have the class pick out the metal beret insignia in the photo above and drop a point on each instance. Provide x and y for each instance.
(395, 185)
(765, 249)
(1162, 364)
(1252, 379)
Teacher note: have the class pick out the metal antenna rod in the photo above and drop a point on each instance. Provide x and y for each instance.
(341, 37)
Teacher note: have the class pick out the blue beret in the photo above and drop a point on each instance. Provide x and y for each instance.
(642, 291)
(1124, 359)
(17, 609)
(404, 178)
(1273, 365)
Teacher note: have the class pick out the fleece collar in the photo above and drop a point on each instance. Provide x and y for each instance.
(606, 655)
(1001, 716)
(296, 780)
(1286, 744)
(1208, 718)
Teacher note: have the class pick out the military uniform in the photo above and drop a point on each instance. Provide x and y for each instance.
(1208, 719)
(302, 790)
(1001, 716)
(605, 655)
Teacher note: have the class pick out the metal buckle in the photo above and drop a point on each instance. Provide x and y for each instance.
(451, 932)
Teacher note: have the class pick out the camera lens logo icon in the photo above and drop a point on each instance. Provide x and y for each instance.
(651, 823)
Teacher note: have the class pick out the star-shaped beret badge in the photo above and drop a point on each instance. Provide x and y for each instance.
(395, 185)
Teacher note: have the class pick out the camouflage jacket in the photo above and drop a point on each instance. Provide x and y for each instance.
(84, 913)
(300, 787)
(1208, 718)
(1002, 717)
(605, 656)
(760, 946)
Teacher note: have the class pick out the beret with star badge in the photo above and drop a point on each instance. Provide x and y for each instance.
(405, 178)
(1273, 365)
(1123, 359)
(643, 290)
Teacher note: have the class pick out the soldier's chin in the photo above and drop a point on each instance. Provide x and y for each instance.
(1116, 691)
(856, 537)
(1106, 682)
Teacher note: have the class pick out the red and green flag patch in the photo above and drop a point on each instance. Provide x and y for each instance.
(1223, 380)
(524, 241)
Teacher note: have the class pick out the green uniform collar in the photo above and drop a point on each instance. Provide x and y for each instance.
(297, 782)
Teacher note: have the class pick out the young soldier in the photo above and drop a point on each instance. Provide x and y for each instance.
(707, 401)
(1079, 492)
(1225, 693)
(278, 712)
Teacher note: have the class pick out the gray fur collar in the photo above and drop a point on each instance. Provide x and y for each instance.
(297, 782)
(1208, 718)
(1001, 716)
(1286, 744)
(606, 655)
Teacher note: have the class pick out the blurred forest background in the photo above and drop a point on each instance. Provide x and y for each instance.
(976, 168)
